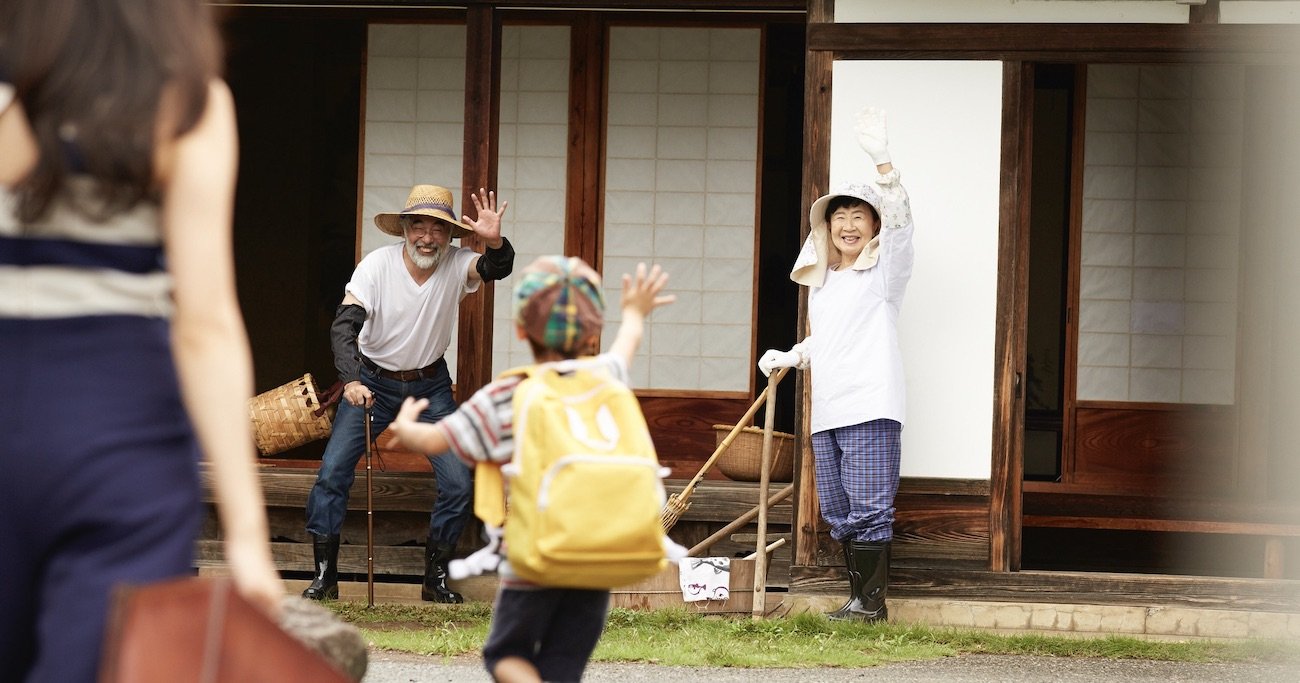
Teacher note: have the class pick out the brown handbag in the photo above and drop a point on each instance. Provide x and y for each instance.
(201, 630)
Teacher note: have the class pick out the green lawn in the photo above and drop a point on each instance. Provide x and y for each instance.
(683, 638)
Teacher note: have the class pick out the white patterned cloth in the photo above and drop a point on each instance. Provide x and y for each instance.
(704, 578)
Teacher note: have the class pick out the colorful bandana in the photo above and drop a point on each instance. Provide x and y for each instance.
(557, 307)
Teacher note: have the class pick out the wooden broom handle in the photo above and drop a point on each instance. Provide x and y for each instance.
(739, 522)
(749, 415)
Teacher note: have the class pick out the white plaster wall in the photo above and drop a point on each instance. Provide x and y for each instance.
(945, 139)
(1047, 11)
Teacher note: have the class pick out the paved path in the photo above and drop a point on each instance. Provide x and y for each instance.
(394, 667)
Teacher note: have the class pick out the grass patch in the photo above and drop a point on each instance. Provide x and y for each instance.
(679, 637)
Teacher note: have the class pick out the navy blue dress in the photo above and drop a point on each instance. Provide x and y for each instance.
(98, 461)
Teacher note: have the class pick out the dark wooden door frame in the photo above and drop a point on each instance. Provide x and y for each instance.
(1016, 45)
(816, 178)
(479, 169)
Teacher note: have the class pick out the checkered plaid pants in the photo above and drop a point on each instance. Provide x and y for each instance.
(857, 478)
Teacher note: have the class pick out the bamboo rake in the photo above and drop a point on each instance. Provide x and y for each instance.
(679, 502)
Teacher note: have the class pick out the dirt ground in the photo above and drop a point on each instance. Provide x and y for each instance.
(396, 667)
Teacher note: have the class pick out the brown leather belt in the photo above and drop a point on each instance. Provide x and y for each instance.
(426, 372)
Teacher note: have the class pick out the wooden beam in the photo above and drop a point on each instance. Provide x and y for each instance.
(1274, 558)
(1089, 588)
(423, 6)
(1207, 13)
(1073, 250)
(816, 175)
(1069, 42)
(482, 117)
(1041, 503)
(1009, 347)
(1165, 525)
(398, 560)
(409, 491)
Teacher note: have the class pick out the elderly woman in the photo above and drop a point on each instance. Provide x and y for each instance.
(857, 261)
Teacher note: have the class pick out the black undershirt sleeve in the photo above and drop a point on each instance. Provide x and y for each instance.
(348, 319)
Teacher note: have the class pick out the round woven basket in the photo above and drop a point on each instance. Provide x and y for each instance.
(283, 418)
(744, 457)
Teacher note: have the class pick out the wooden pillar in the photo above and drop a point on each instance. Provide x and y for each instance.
(1204, 14)
(482, 115)
(1274, 558)
(816, 181)
(1005, 483)
(582, 213)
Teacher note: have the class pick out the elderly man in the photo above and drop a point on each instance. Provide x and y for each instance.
(388, 338)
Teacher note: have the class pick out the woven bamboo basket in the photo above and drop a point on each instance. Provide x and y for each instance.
(284, 417)
(744, 459)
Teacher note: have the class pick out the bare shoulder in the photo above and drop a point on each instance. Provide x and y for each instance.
(211, 137)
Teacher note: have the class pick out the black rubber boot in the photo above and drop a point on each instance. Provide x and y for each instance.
(325, 550)
(855, 581)
(871, 561)
(436, 557)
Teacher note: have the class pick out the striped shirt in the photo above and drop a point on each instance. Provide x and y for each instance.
(482, 428)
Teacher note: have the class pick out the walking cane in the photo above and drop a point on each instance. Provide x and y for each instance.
(370, 523)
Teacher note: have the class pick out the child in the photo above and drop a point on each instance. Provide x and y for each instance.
(541, 633)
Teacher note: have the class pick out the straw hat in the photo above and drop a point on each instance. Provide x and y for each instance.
(425, 200)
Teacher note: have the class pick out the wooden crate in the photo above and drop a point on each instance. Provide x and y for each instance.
(664, 590)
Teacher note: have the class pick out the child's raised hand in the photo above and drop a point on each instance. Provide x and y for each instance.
(408, 415)
(641, 291)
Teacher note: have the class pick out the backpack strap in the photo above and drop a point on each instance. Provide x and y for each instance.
(489, 482)
(490, 494)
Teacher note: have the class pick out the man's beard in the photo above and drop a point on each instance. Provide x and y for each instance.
(429, 262)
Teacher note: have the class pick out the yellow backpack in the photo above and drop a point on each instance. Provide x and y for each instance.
(585, 486)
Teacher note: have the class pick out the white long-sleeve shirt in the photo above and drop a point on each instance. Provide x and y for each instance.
(857, 366)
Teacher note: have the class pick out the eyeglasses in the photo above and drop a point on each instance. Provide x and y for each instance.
(426, 227)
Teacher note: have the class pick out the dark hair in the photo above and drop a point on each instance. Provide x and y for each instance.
(92, 76)
(845, 201)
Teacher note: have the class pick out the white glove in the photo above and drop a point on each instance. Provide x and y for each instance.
(872, 134)
(773, 359)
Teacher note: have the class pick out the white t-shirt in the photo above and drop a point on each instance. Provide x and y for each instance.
(857, 367)
(408, 326)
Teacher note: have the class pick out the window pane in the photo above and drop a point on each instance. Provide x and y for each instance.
(1161, 224)
(680, 183)
(531, 163)
(414, 130)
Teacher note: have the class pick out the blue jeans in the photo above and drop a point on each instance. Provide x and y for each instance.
(328, 501)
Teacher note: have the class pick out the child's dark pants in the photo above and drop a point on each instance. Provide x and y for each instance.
(554, 628)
